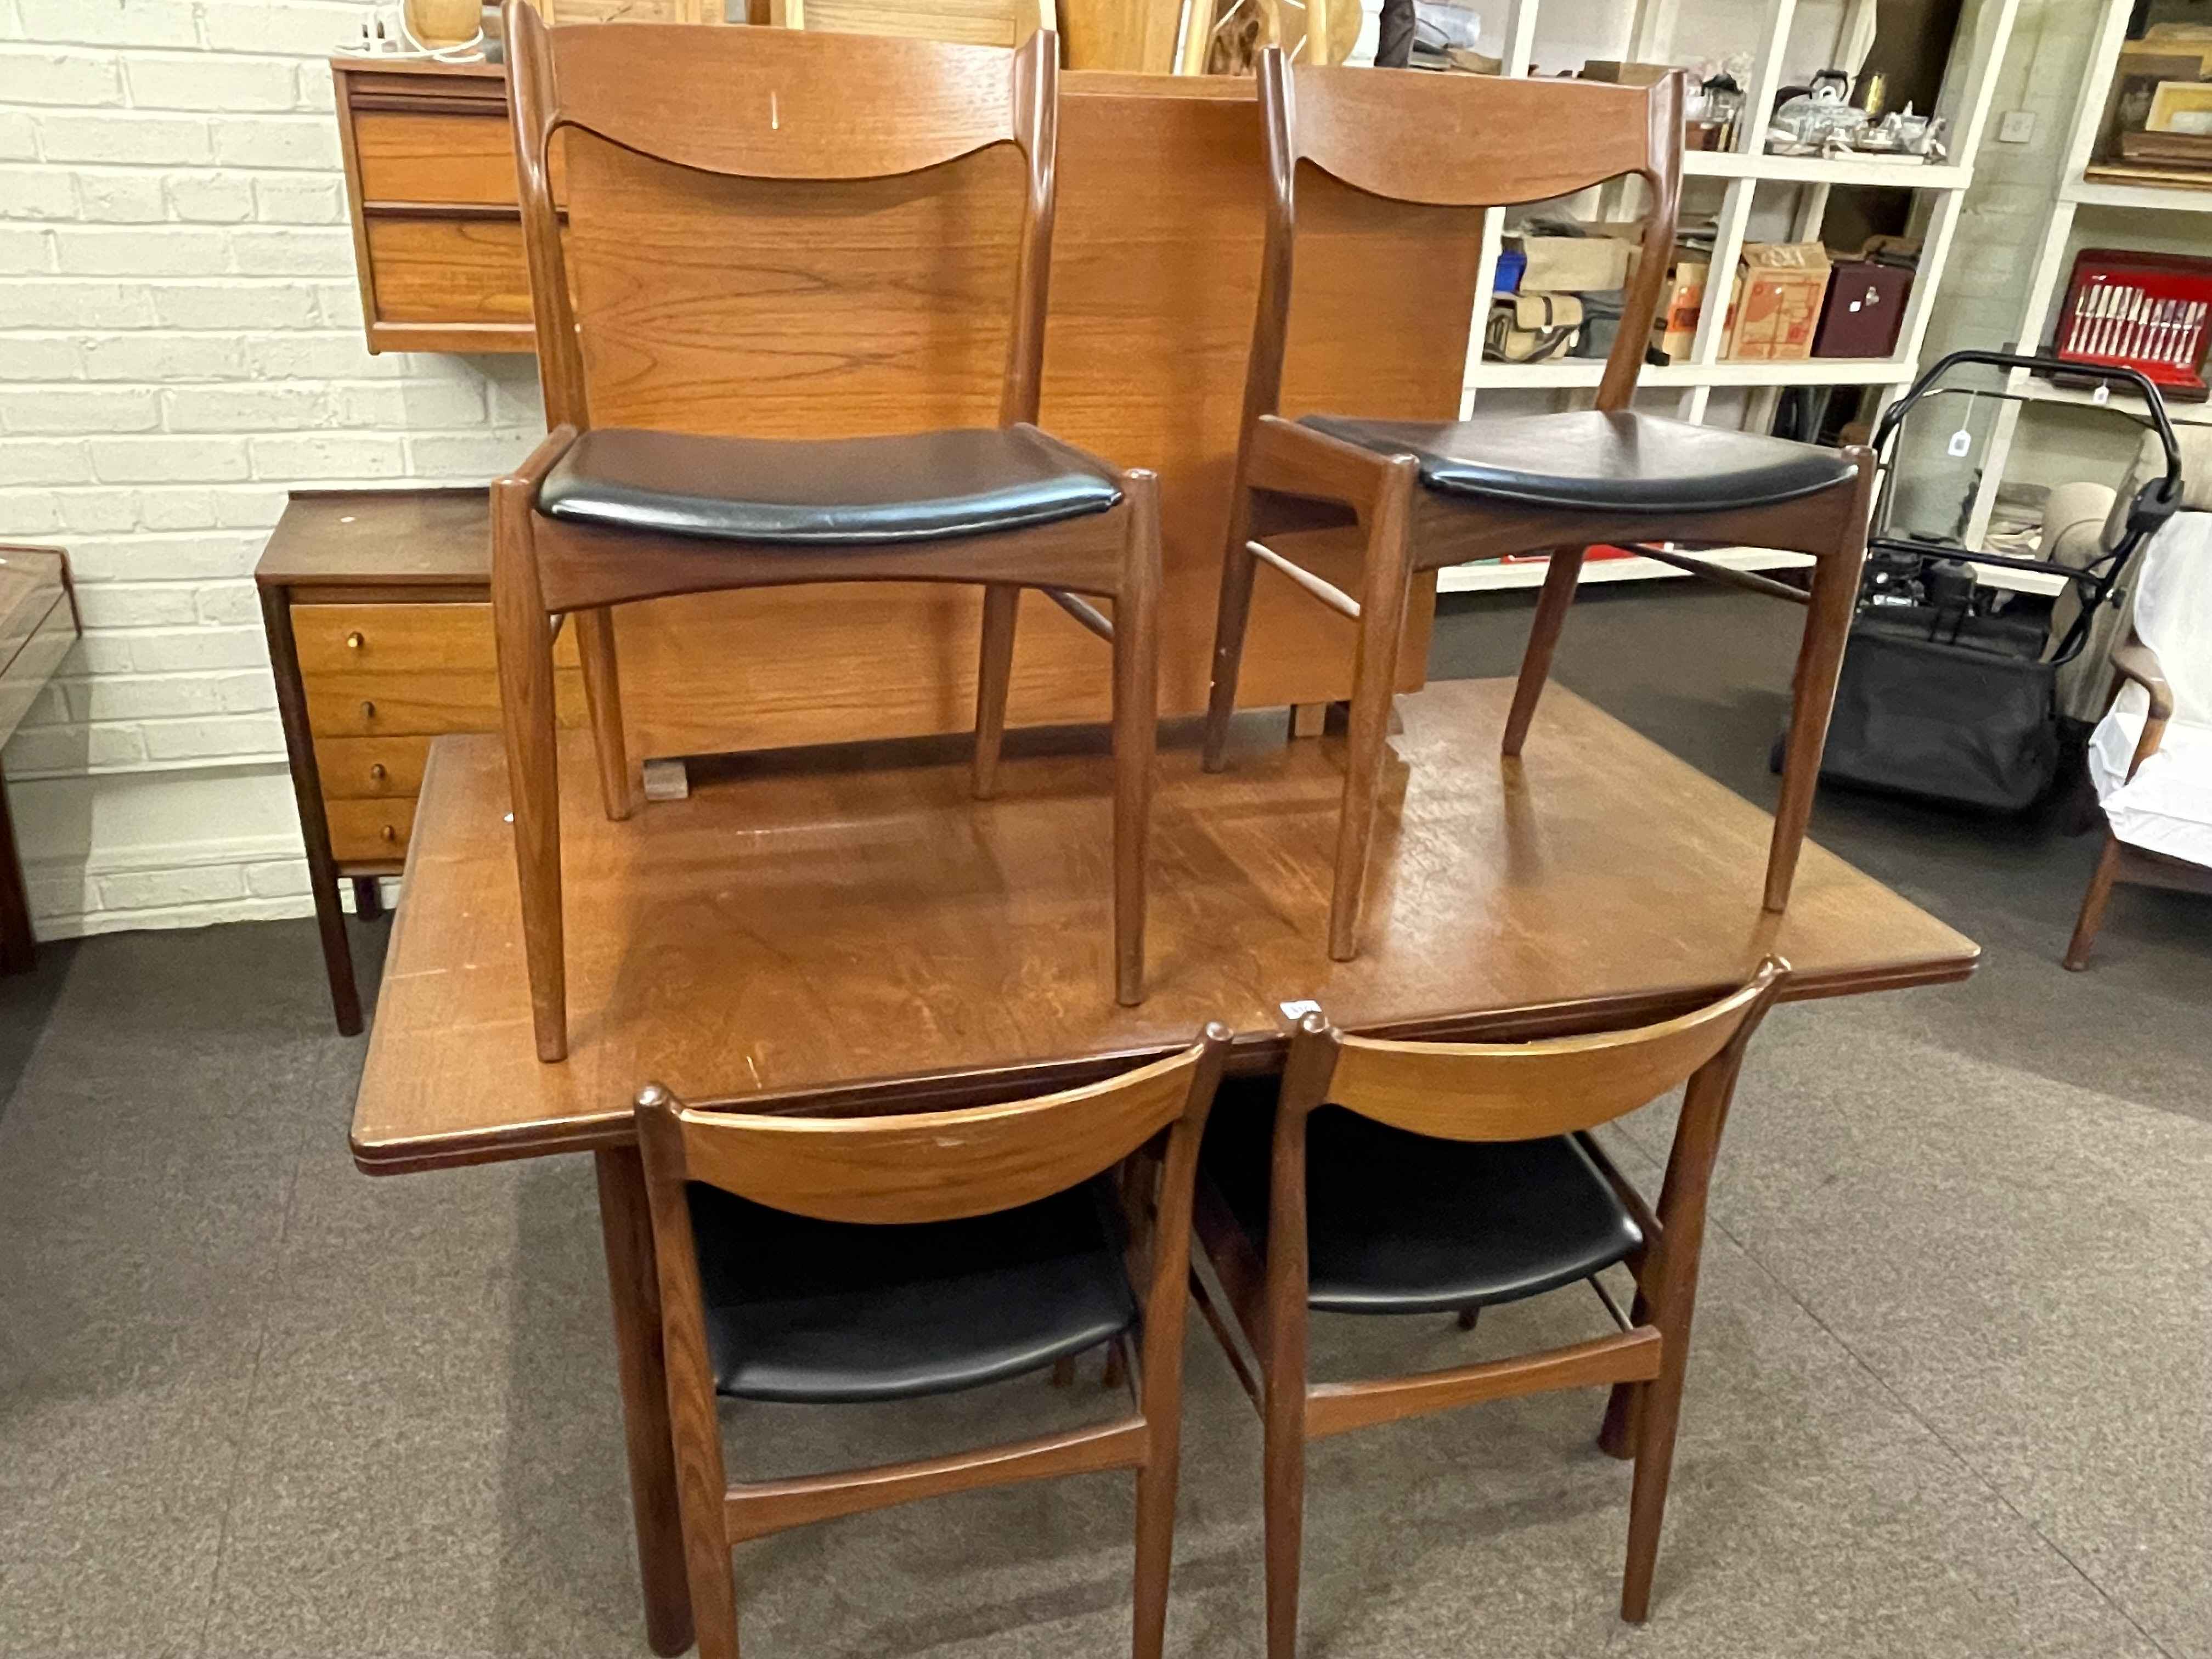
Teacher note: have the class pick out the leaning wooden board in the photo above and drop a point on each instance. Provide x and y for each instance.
(1155, 276)
(38, 625)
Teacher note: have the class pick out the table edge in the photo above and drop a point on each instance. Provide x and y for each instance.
(1254, 1052)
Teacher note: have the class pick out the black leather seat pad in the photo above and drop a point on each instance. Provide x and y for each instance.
(1402, 1224)
(807, 1311)
(1612, 463)
(833, 492)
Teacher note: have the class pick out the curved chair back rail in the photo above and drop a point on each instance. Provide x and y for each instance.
(939, 1166)
(690, 154)
(1466, 141)
(1525, 1091)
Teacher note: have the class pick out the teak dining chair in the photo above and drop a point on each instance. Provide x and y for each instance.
(1414, 496)
(846, 1260)
(1426, 1177)
(685, 152)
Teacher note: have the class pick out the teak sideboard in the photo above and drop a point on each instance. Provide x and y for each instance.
(887, 318)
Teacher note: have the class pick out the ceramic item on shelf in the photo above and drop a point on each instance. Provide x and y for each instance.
(437, 23)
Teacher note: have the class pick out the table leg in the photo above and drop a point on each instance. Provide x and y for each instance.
(314, 823)
(633, 1282)
(368, 898)
(18, 951)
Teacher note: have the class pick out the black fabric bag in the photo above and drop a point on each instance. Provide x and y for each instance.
(1967, 721)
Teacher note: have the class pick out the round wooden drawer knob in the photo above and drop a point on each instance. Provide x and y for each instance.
(376, 773)
(355, 642)
(367, 709)
(389, 833)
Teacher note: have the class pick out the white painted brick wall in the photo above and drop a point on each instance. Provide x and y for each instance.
(181, 343)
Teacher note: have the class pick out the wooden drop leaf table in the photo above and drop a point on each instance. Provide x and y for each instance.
(846, 929)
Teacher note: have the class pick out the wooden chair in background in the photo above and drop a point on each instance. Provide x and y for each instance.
(846, 1260)
(1446, 1177)
(686, 152)
(1413, 496)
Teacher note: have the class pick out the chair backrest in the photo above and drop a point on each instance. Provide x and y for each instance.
(1517, 1090)
(763, 235)
(930, 1166)
(968, 22)
(1459, 145)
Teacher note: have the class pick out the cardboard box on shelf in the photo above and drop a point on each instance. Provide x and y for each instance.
(1574, 264)
(1681, 302)
(1775, 310)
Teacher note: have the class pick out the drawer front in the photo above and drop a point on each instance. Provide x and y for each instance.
(408, 155)
(447, 270)
(411, 705)
(402, 639)
(371, 768)
(370, 831)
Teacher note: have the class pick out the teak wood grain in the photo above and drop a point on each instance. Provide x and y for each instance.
(842, 926)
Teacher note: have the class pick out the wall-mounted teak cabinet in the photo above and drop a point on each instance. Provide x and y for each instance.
(429, 165)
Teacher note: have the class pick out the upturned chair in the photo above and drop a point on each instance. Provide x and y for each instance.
(1431, 1178)
(834, 1261)
(686, 153)
(1410, 496)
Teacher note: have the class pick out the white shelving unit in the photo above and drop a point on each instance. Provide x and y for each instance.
(1649, 30)
(2102, 198)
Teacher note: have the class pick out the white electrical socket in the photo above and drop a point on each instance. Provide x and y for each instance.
(2016, 126)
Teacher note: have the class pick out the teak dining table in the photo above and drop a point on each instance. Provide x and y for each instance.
(845, 929)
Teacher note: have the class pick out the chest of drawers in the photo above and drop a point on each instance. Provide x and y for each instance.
(377, 609)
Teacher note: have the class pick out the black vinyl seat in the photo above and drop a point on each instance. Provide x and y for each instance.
(926, 487)
(1399, 1223)
(1589, 459)
(829, 1312)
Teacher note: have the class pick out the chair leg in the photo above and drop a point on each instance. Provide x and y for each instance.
(1136, 735)
(2091, 919)
(1231, 619)
(1659, 1411)
(1812, 700)
(994, 673)
(595, 646)
(1283, 1501)
(1561, 575)
(1616, 1436)
(526, 711)
(1374, 680)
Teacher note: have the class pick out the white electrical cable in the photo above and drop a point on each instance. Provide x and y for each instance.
(398, 43)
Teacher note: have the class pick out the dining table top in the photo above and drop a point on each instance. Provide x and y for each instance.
(843, 929)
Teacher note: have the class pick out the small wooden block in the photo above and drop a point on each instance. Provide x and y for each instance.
(667, 779)
(1307, 719)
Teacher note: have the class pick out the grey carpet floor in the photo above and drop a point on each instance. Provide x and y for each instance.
(1952, 1392)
